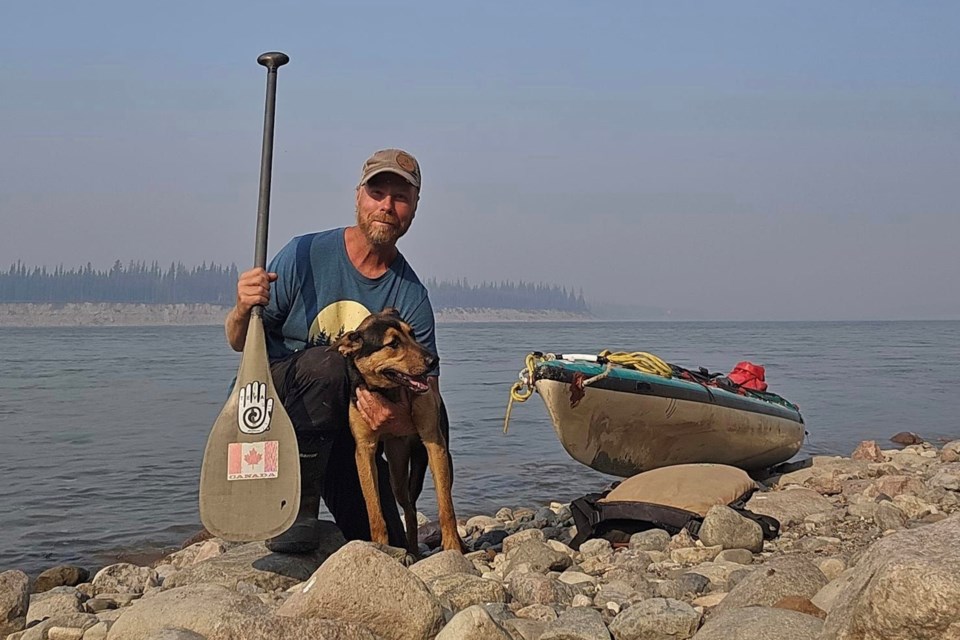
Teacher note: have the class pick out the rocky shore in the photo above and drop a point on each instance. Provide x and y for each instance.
(867, 551)
(102, 314)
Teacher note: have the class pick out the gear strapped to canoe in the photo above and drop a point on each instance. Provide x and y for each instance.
(746, 379)
(670, 498)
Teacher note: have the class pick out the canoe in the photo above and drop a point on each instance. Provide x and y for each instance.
(625, 421)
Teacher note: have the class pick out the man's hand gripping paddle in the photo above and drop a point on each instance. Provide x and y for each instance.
(250, 479)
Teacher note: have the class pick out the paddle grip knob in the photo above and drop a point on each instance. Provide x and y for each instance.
(273, 59)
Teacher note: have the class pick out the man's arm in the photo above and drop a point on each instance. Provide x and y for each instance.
(253, 288)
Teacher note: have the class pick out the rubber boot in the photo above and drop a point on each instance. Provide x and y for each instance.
(303, 536)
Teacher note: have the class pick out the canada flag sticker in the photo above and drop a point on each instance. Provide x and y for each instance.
(252, 460)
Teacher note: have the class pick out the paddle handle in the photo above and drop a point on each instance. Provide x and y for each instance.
(272, 61)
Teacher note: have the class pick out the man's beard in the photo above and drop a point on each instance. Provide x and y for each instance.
(379, 235)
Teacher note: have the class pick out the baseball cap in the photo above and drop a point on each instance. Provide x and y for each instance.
(394, 161)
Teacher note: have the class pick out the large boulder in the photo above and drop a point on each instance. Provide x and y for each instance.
(725, 527)
(537, 556)
(54, 602)
(776, 579)
(14, 600)
(906, 586)
(60, 576)
(656, 619)
(254, 564)
(124, 577)
(760, 623)
(217, 613)
(360, 584)
(577, 623)
(473, 623)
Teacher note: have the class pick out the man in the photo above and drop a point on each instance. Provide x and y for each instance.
(323, 285)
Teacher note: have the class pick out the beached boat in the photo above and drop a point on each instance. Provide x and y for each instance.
(623, 421)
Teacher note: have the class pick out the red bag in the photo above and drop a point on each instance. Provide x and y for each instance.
(749, 376)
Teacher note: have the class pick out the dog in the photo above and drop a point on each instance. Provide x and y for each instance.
(383, 355)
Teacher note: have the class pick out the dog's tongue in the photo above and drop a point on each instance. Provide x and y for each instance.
(418, 384)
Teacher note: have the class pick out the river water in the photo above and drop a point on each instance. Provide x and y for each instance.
(103, 429)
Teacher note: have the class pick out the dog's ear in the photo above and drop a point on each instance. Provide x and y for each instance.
(350, 343)
(391, 311)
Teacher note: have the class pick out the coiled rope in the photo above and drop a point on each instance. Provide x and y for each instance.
(638, 360)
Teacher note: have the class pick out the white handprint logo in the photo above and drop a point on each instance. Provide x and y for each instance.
(255, 408)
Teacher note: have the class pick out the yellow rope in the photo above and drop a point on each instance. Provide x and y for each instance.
(523, 388)
(639, 360)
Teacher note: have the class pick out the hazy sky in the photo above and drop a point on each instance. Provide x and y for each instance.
(770, 160)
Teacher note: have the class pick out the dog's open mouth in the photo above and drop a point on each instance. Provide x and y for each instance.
(417, 384)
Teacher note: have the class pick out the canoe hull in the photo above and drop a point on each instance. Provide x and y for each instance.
(623, 434)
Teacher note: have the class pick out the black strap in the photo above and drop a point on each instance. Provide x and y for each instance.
(589, 513)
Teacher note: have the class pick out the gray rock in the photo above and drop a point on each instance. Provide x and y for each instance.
(686, 587)
(827, 596)
(254, 564)
(656, 619)
(725, 527)
(174, 634)
(522, 629)
(64, 624)
(361, 584)
(14, 600)
(55, 602)
(736, 556)
(198, 608)
(481, 522)
(619, 593)
(769, 583)
(462, 590)
(889, 516)
(695, 555)
(906, 585)
(473, 623)
(541, 612)
(217, 613)
(596, 547)
(511, 542)
(950, 451)
(443, 563)
(832, 567)
(865, 510)
(60, 576)
(789, 506)
(650, 540)
(535, 588)
(537, 556)
(579, 623)
(124, 577)
(544, 517)
(490, 539)
(760, 623)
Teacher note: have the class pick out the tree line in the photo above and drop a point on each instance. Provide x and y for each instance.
(504, 295)
(139, 282)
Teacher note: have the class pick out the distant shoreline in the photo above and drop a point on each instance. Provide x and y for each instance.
(106, 314)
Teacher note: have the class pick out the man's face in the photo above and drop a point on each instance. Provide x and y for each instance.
(386, 205)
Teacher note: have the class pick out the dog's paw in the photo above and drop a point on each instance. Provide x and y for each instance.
(397, 553)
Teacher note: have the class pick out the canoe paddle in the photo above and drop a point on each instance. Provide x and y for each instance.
(250, 478)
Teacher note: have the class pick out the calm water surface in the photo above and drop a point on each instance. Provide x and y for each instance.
(103, 429)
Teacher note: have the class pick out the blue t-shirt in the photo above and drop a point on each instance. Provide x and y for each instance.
(319, 296)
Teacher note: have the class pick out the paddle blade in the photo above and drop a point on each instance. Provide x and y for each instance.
(250, 479)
